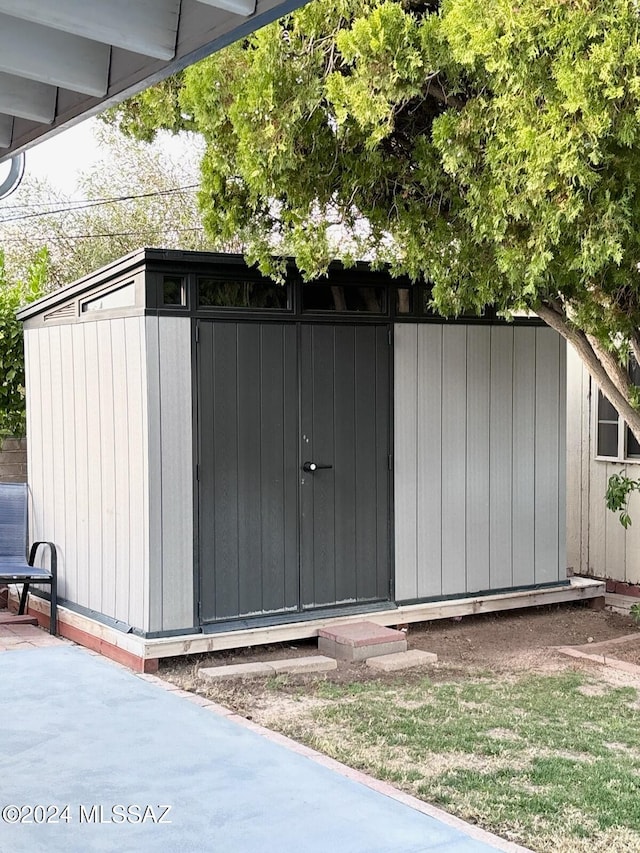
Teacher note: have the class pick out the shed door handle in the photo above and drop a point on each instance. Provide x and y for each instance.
(313, 466)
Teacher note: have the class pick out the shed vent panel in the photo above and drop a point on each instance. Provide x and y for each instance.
(66, 311)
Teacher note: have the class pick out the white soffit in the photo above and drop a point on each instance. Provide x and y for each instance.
(64, 60)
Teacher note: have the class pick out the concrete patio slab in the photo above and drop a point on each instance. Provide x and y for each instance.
(117, 763)
(402, 660)
(310, 663)
(235, 670)
(267, 669)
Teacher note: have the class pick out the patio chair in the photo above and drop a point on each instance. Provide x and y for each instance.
(14, 567)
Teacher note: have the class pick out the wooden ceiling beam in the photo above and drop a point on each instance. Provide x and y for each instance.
(54, 57)
(27, 99)
(6, 130)
(148, 27)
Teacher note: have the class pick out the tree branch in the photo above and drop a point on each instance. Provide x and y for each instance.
(597, 362)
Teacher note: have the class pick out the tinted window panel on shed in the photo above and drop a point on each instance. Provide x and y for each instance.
(227, 293)
(121, 297)
(327, 297)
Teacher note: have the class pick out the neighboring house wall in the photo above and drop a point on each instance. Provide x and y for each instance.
(479, 458)
(597, 544)
(88, 461)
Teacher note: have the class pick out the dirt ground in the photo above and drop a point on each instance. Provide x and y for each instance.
(629, 652)
(504, 642)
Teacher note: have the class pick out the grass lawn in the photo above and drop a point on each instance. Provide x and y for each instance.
(551, 761)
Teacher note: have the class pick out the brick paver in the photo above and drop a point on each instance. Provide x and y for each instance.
(16, 636)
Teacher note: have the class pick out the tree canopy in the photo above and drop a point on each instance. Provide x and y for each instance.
(490, 146)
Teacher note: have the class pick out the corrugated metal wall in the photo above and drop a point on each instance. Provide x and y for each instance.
(111, 464)
(479, 458)
(597, 544)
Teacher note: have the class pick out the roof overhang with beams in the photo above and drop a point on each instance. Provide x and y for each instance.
(64, 60)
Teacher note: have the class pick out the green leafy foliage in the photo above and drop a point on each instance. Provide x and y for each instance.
(619, 489)
(490, 147)
(14, 295)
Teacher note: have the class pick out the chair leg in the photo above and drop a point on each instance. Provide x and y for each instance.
(53, 609)
(23, 598)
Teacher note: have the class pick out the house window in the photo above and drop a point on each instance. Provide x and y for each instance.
(614, 439)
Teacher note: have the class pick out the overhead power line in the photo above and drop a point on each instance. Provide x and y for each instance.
(85, 204)
(43, 238)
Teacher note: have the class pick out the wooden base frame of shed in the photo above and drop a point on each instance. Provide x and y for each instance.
(143, 654)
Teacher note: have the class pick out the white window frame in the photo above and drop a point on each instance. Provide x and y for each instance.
(623, 428)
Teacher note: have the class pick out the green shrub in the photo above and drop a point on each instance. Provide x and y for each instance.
(14, 294)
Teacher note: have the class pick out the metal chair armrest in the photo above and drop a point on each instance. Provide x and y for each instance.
(53, 553)
(53, 613)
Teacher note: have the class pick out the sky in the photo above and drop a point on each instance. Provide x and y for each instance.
(64, 157)
(61, 158)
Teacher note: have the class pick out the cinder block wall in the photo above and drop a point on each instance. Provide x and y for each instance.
(13, 460)
(13, 469)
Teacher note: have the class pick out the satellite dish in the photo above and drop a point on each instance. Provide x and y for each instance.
(12, 181)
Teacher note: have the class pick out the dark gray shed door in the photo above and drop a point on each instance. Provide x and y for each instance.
(344, 413)
(272, 537)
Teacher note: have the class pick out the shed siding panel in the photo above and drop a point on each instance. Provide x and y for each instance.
(70, 505)
(136, 373)
(107, 465)
(154, 448)
(472, 404)
(426, 457)
(523, 455)
(480, 438)
(405, 447)
(176, 412)
(94, 473)
(549, 388)
(122, 508)
(82, 436)
(80, 416)
(501, 457)
(454, 435)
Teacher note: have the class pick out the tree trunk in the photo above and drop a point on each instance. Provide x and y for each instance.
(602, 365)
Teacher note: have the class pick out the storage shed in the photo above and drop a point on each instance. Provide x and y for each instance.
(216, 454)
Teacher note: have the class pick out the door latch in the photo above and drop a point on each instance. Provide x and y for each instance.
(313, 466)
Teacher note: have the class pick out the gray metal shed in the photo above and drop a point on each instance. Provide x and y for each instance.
(178, 403)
